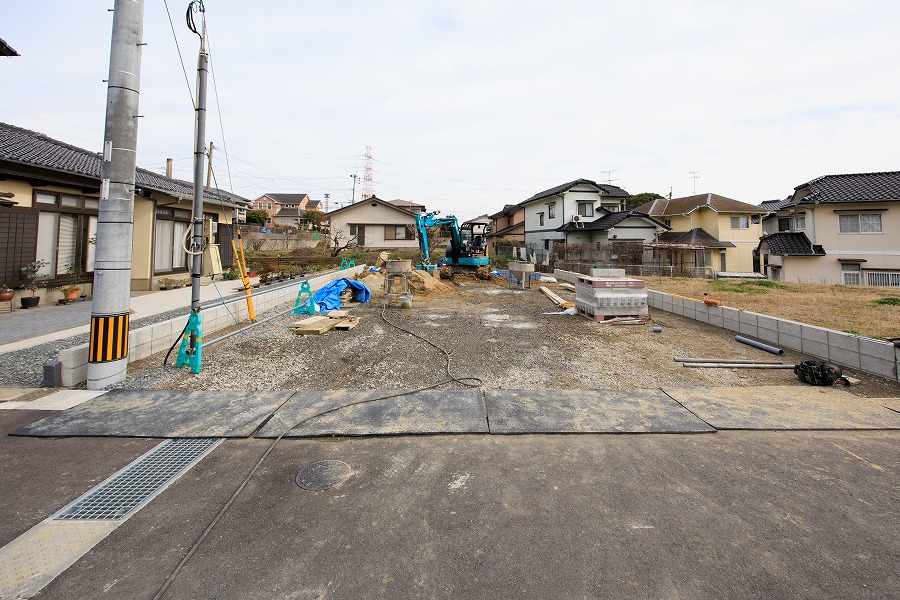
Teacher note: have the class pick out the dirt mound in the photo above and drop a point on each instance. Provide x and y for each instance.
(420, 282)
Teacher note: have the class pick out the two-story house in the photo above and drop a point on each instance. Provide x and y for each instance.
(726, 231)
(275, 203)
(509, 225)
(836, 229)
(546, 212)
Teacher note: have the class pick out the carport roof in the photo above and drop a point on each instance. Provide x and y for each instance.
(697, 237)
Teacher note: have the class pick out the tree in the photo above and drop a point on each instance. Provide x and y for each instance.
(257, 216)
(340, 241)
(634, 201)
(314, 217)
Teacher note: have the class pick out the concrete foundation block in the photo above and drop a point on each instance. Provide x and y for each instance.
(702, 313)
(72, 376)
(767, 329)
(843, 349)
(139, 352)
(731, 318)
(789, 336)
(747, 324)
(814, 341)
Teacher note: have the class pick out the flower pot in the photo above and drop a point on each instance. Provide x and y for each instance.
(7, 296)
(72, 294)
(30, 301)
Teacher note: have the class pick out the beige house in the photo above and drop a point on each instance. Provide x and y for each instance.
(373, 224)
(509, 225)
(836, 229)
(275, 203)
(723, 232)
(50, 203)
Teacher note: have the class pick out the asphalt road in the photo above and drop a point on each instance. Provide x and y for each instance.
(732, 514)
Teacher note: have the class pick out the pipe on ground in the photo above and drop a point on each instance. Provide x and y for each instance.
(759, 345)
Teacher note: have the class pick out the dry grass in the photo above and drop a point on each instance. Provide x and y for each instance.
(845, 308)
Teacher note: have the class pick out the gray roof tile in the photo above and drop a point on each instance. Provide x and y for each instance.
(607, 190)
(790, 243)
(854, 187)
(27, 147)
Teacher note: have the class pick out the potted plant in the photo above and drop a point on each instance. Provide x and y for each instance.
(165, 283)
(30, 274)
(75, 273)
(6, 293)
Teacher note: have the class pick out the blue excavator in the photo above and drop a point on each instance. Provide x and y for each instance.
(467, 251)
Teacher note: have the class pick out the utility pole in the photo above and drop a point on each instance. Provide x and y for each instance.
(327, 196)
(353, 197)
(190, 352)
(209, 167)
(108, 348)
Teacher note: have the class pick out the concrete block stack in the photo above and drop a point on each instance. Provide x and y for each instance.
(603, 297)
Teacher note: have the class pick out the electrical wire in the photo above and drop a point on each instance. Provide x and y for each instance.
(212, 70)
(181, 58)
(451, 378)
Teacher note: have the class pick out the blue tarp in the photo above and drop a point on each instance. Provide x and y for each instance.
(329, 297)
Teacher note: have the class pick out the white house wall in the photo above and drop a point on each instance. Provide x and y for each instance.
(374, 219)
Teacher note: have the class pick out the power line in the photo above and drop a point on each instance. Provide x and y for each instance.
(181, 58)
(212, 70)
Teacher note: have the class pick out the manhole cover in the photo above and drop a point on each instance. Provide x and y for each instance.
(323, 475)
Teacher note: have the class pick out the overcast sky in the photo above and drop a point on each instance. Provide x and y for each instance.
(472, 105)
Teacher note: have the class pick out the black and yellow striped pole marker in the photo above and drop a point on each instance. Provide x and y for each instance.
(109, 338)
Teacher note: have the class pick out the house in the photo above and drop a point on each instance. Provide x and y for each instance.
(546, 212)
(409, 206)
(508, 225)
(836, 229)
(275, 203)
(613, 227)
(718, 232)
(51, 203)
(373, 224)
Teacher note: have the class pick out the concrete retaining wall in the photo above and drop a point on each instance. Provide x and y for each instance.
(159, 337)
(856, 352)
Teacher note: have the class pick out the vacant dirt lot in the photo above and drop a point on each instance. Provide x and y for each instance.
(846, 308)
(491, 332)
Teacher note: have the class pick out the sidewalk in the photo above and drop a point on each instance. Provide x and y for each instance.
(23, 328)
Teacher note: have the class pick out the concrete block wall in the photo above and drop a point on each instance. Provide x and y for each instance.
(159, 337)
(853, 351)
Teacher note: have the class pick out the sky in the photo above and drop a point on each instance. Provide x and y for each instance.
(471, 105)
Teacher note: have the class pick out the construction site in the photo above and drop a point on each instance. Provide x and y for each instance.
(458, 437)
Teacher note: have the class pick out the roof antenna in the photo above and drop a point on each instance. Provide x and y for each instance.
(695, 177)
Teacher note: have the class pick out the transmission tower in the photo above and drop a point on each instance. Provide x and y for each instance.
(367, 175)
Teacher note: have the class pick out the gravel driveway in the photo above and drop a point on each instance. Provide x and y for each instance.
(491, 332)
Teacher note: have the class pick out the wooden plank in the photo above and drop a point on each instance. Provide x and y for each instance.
(347, 324)
(567, 286)
(555, 298)
(338, 314)
(313, 326)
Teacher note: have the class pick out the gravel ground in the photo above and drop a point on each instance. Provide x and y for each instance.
(26, 367)
(491, 332)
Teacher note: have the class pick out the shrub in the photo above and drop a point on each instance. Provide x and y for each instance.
(889, 301)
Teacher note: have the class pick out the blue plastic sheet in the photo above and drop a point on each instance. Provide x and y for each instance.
(329, 297)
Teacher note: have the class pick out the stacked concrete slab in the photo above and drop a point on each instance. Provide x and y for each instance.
(604, 295)
(854, 351)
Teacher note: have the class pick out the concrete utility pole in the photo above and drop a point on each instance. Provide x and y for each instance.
(209, 167)
(353, 196)
(108, 350)
(190, 353)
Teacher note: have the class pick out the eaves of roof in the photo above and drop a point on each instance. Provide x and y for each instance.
(369, 200)
(29, 148)
(606, 190)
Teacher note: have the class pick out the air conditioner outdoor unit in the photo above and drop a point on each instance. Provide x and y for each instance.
(576, 218)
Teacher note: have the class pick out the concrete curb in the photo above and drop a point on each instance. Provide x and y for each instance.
(149, 340)
(853, 351)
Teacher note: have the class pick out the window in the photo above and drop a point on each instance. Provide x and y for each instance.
(585, 209)
(259, 205)
(800, 223)
(396, 232)
(886, 279)
(540, 218)
(353, 230)
(268, 206)
(851, 274)
(171, 226)
(784, 224)
(65, 223)
(860, 223)
(546, 244)
(740, 222)
(551, 211)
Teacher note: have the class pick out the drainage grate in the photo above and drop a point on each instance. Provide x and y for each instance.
(135, 485)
